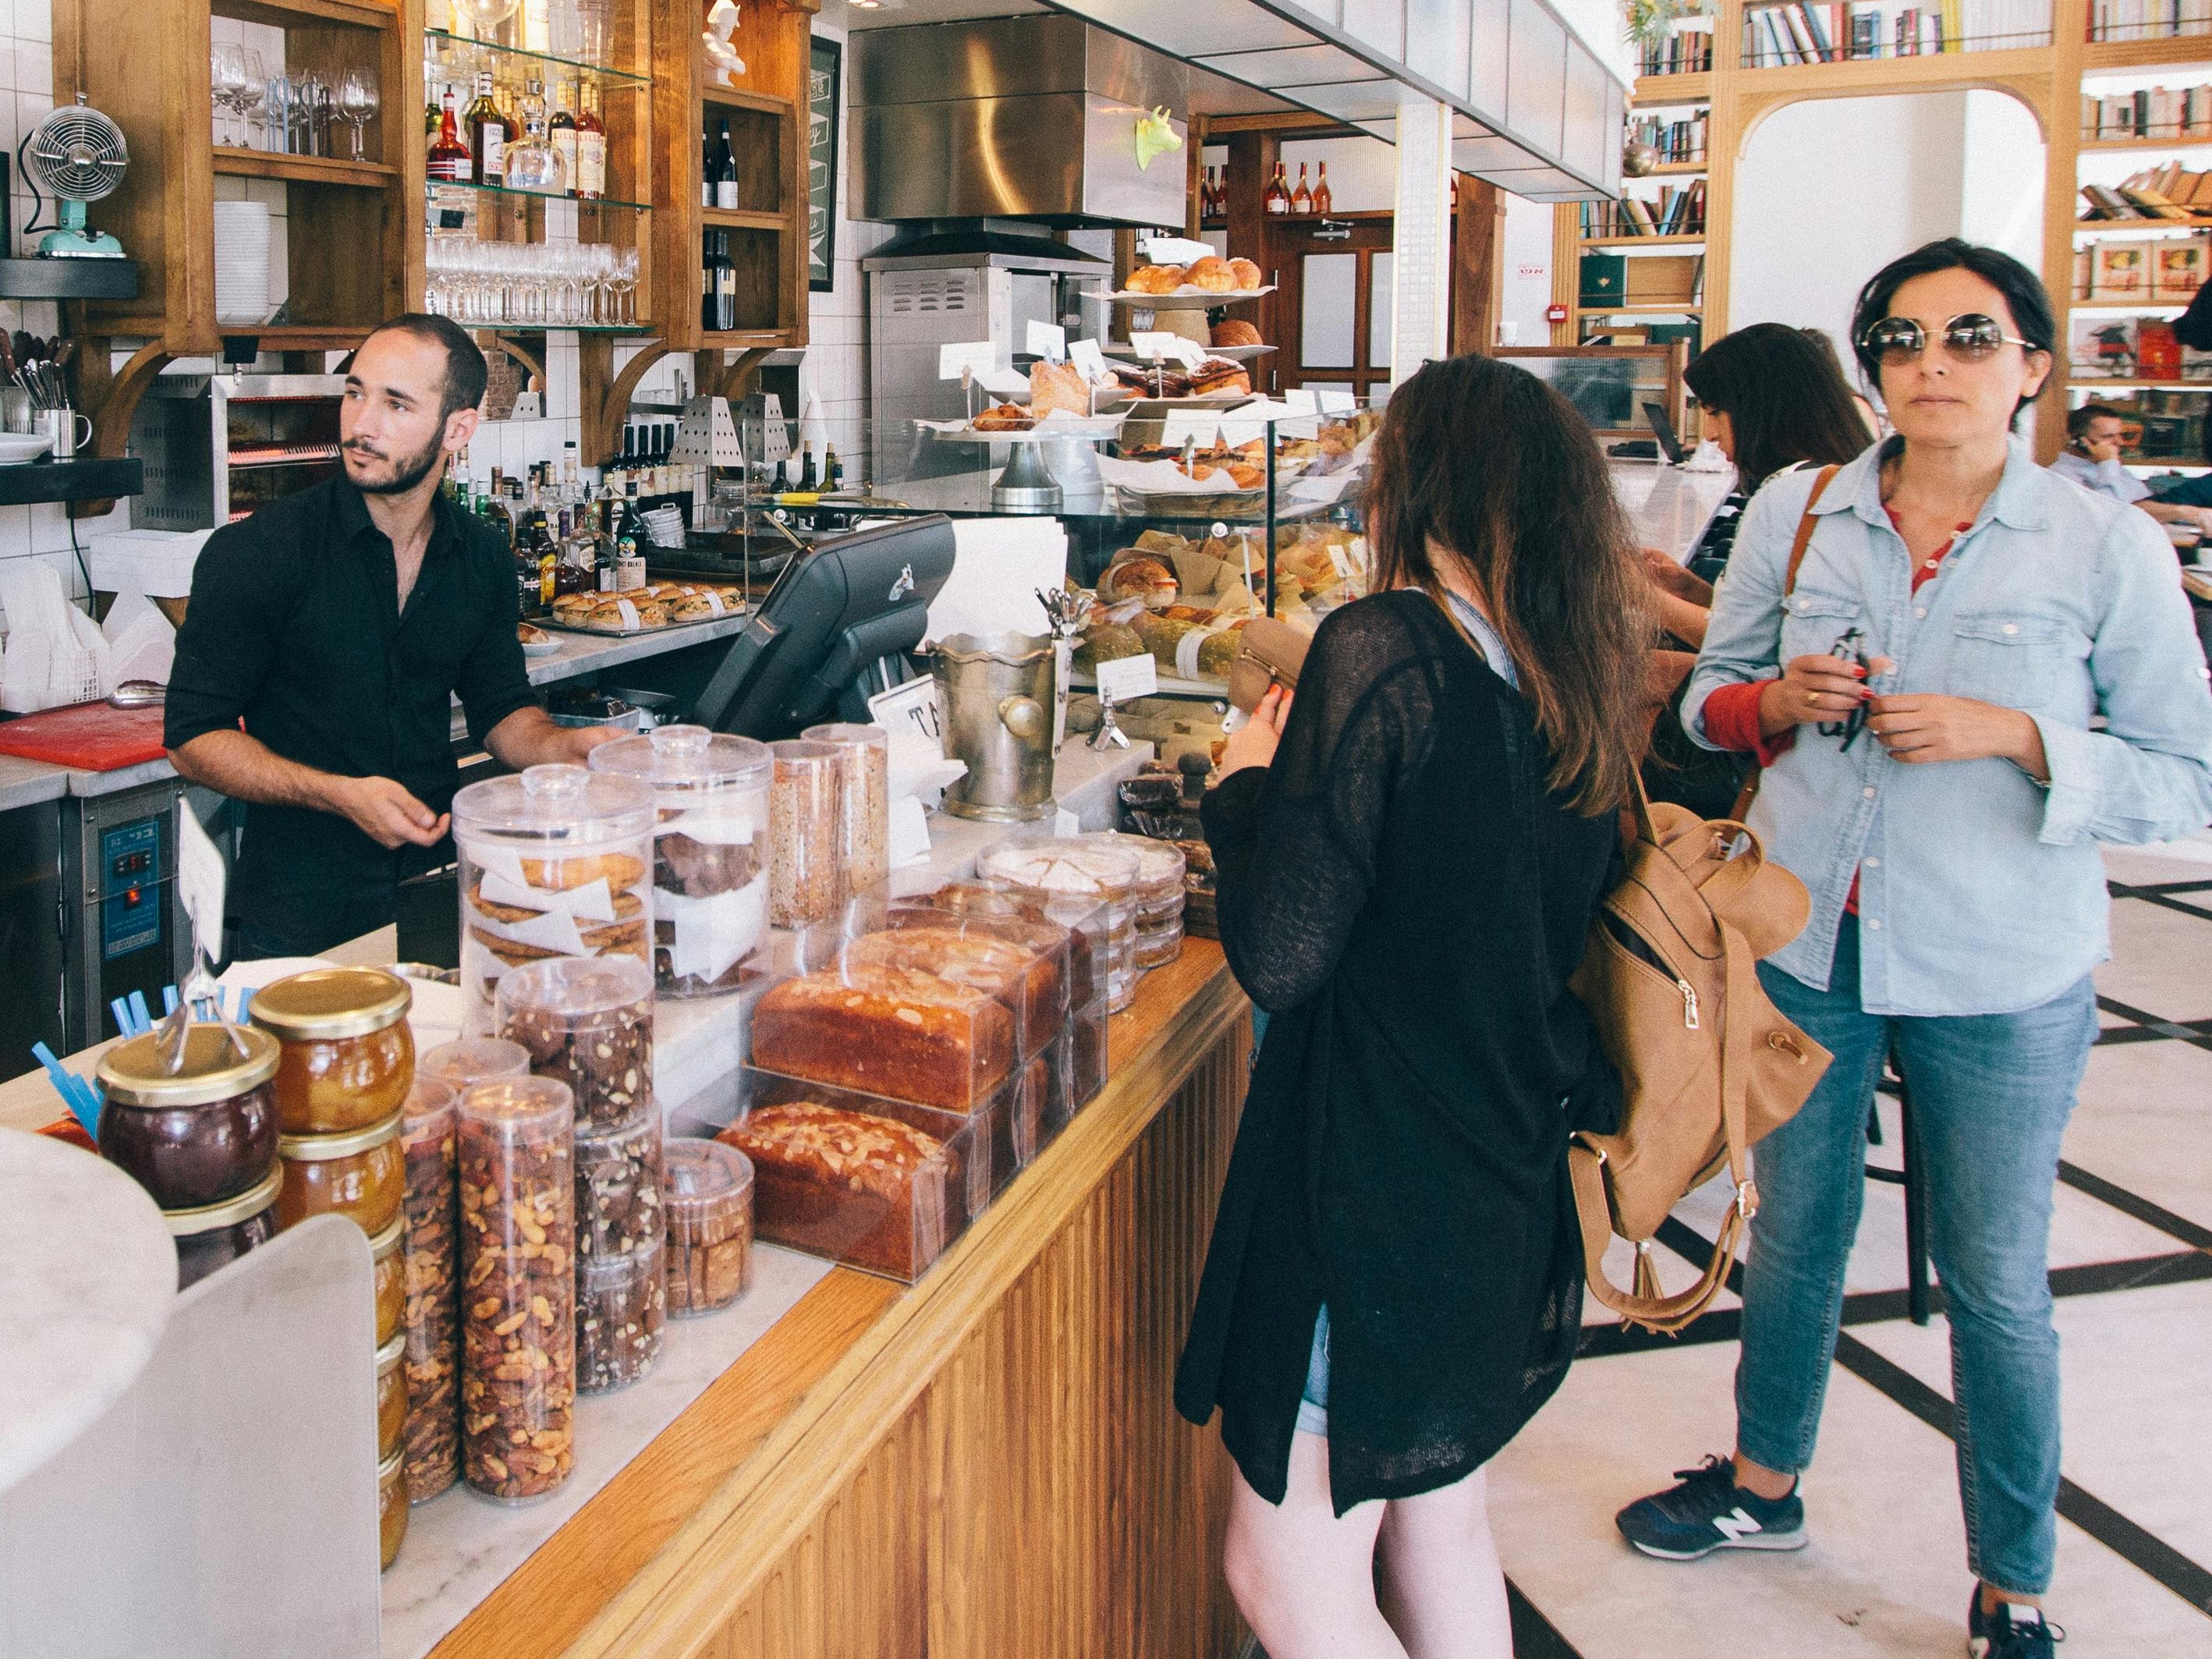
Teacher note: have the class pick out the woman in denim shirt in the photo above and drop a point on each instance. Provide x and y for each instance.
(1958, 898)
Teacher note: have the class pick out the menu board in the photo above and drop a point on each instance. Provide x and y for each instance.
(822, 107)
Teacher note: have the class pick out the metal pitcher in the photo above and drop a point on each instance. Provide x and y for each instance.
(998, 691)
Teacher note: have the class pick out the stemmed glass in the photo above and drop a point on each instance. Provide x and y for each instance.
(357, 103)
(624, 280)
(252, 91)
(226, 77)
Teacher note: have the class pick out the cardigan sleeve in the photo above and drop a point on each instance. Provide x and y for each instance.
(1295, 843)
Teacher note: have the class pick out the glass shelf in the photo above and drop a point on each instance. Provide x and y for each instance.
(621, 79)
(435, 185)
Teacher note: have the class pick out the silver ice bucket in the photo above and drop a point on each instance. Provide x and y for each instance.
(998, 691)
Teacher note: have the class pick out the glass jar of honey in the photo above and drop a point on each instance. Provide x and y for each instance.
(390, 1280)
(392, 1502)
(203, 1134)
(362, 1174)
(391, 1398)
(349, 1054)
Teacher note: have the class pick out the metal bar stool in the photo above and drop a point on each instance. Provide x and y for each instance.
(1912, 1178)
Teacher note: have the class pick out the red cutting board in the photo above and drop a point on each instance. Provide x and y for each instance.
(91, 736)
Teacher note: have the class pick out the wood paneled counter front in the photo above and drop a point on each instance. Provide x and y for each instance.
(985, 1466)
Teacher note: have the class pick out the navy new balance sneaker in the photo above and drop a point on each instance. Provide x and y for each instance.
(1708, 1511)
(2013, 1632)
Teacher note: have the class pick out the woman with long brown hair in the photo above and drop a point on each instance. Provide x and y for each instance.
(1410, 855)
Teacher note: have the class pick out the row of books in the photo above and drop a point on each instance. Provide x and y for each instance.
(2131, 349)
(2167, 272)
(2170, 194)
(2147, 20)
(1676, 142)
(1683, 51)
(2151, 112)
(1675, 213)
(1802, 33)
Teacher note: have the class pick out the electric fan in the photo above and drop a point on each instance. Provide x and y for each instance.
(79, 155)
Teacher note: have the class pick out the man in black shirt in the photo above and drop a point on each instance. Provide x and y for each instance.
(325, 638)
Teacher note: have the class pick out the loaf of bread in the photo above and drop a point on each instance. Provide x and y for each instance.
(1213, 274)
(1017, 962)
(1235, 331)
(1155, 279)
(904, 1033)
(1144, 578)
(1246, 275)
(1086, 934)
(855, 1186)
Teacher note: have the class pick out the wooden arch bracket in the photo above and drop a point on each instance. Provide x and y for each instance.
(604, 394)
(110, 397)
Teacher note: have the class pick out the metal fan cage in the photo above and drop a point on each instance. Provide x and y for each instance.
(77, 153)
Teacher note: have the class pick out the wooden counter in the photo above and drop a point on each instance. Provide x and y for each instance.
(986, 1466)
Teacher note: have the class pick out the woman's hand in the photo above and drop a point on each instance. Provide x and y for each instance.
(1253, 743)
(1922, 728)
(1820, 687)
(1669, 577)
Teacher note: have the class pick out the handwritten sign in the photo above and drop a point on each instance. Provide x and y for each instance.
(1126, 678)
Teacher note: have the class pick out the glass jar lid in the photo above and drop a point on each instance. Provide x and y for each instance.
(472, 1060)
(388, 1470)
(207, 1217)
(576, 985)
(567, 806)
(132, 1073)
(429, 1103)
(384, 1243)
(517, 1107)
(699, 1175)
(678, 758)
(319, 1149)
(326, 1003)
(1064, 865)
(391, 1352)
(851, 733)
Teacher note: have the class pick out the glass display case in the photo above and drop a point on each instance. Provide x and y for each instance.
(1610, 385)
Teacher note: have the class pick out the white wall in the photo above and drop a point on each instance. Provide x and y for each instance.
(1876, 177)
(1525, 283)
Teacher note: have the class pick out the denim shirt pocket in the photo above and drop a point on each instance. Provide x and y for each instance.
(1813, 621)
(2003, 657)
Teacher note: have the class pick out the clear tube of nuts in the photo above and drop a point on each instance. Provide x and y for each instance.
(588, 1023)
(709, 1194)
(514, 1143)
(433, 1320)
(621, 1305)
(618, 1203)
(863, 800)
(805, 873)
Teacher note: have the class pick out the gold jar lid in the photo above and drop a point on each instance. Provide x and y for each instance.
(316, 1149)
(324, 1003)
(132, 1073)
(230, 1212)
(391, 1352)
(387, 1240)
(388, 1470)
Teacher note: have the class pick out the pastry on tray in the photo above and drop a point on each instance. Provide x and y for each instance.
(1156, 279)
(1143, 578)
(1235, 331)
(1213, 274)
(1004, 417)
(1247, 278)
(1058, 387)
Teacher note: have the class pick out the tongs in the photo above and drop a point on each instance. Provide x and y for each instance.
(197, 999)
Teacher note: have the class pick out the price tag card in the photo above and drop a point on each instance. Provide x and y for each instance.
(974, 357)
(1299, 401)
(1163, 347)
(1337, 403)
(1126, 678)
(202, 879)
(1048, 340)
(1184, 426)
(1086, 357)
(913, 707)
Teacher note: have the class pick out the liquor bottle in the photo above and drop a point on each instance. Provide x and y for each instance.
(833, 470)
(1278, 195)
(807, 480)
(572, 489)
(589, 176)
(488, 133)
(533, 164)
(1302, 197)
(450, 161)
(726, 171)
(783, 476)
(561, 129)
(1322, 199)
(725, 285)
(706, 169)
(709, 244)
(631, 538)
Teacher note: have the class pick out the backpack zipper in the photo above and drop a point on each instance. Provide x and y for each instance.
(1689, 1004)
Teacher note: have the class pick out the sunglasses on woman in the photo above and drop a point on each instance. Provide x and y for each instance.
(1971, 337)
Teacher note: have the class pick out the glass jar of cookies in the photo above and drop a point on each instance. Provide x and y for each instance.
(555, 862)
(710, 850)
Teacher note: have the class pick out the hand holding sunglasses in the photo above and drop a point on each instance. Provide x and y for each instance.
(1971, 337)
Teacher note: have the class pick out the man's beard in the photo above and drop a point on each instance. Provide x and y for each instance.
(408, 473)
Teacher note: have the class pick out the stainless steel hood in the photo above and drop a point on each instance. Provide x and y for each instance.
(1026, 118)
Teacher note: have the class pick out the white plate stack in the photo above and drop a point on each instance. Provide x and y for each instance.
(242, 230)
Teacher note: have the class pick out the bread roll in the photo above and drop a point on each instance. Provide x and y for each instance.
(1236, 332)
(1211, 274)
(1247, 276)
(1156, 279)
(1145, 579)
(1058, 387)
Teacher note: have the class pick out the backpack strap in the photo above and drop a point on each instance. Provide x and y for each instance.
(1644, 1306)
(1803, 539)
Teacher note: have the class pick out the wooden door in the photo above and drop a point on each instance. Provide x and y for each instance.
(1332, 305)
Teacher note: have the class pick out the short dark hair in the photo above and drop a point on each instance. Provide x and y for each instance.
(1783, 392)
(2022, 289)
(467, 374)
(2077, 420)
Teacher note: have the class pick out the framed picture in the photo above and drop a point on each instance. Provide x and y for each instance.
(824, 71)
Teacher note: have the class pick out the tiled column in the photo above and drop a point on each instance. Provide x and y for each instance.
(1421, 292)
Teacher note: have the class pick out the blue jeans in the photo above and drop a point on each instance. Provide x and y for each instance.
(1991, 1094)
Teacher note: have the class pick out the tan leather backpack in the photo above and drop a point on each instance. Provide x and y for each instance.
(1708, 1065)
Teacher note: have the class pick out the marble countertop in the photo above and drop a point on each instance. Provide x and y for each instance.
(1668, 508)
(87, 1280)
(28, 782)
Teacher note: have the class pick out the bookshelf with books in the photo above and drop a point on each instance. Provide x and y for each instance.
(1802, 32)
(1687, 48)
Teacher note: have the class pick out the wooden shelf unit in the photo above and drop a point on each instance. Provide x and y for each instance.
(2046, 78)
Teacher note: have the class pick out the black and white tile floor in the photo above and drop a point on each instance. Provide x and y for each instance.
(1886, 1575)
(2132, 1262)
